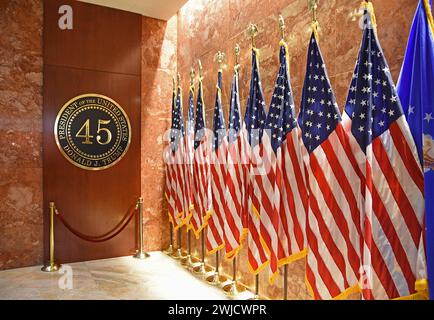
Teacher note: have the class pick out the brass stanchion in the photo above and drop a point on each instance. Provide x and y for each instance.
(187, 261)
(200, 269)
(169, 250)
(52, 266)
(140, 254)
(285, 282)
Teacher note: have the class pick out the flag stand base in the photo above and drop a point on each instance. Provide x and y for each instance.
(177, 254)
(141, 255)
(52, 267)
(214, 279)
(200, 269)
(232, 290)
(187, 262)
(169, 251)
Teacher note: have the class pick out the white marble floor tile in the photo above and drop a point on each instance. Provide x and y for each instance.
(158, 277)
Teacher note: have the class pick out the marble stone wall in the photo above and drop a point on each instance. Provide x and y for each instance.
(20, 133)
(159, 48)
(21, 61)
(206, 26)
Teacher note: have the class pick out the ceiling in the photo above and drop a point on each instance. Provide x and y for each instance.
(159, 9)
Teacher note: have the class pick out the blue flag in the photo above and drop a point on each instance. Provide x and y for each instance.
(416, 92)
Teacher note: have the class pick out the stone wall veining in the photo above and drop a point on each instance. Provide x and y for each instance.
(21, 220)
(21, 67)
(206, 26)
(159, 49)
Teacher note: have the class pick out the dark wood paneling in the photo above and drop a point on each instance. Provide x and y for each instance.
(93, 201)
(102, 39)
(77, 62)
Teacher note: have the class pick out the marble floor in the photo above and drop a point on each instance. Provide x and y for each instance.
(158, 277)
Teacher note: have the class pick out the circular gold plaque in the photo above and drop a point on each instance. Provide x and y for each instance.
(92, 131)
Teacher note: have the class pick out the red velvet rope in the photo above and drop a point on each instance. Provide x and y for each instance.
(106, 236)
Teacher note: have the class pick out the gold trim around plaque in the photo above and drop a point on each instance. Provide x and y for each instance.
(90, 95)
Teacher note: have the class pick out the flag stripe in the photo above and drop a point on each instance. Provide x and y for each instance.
(298, 189)
(338, 215)
(379, 267)
(323, 269)
(398, 193)
(405, 152)
(383, 217)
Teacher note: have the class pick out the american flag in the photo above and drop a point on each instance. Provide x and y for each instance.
(333, 223)
(180, 164)
(286, 221)
(201, 169)
(254, 120)
(236, 212)
(392, 178)
(215, 231)
(189, 154)
(172, 193)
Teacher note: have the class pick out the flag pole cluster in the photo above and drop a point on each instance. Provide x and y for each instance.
(344, 192)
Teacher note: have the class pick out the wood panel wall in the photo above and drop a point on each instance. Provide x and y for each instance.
(101, 54)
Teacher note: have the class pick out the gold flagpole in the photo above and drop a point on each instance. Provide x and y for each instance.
(178, 252)
(187, 261)
(252, 31)
(231, 288)
(282, 28)
(214, 278)
(285, 282)
(256, 297)
(313, 6)
(200, 269)
(169, 251)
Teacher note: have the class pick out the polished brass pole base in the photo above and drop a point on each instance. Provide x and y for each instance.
(231, 289)
(177, 254)
(214, 279)
(200, 269)
(187, 262)
(52, 267)
(141, 255)
(169, 250)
